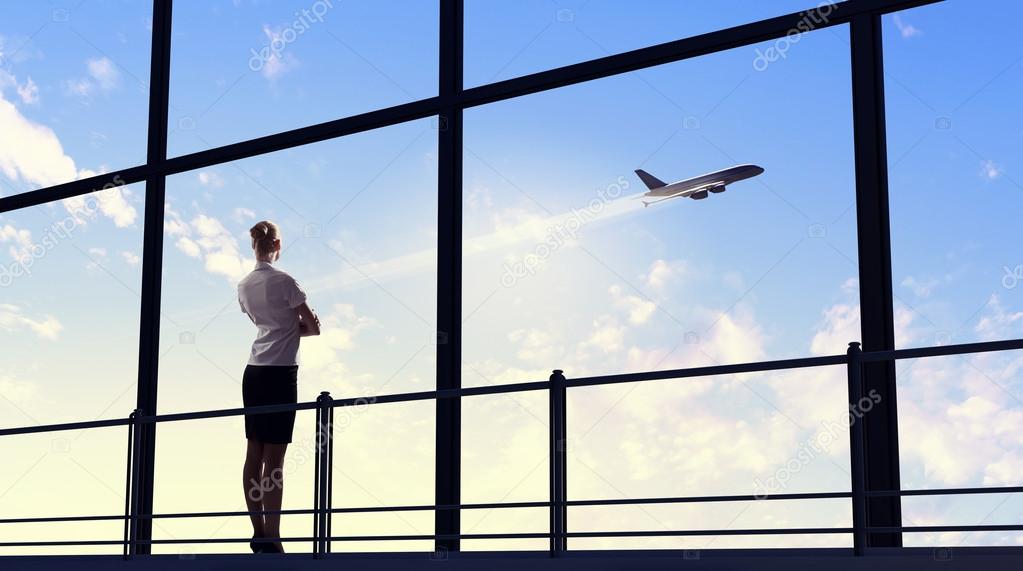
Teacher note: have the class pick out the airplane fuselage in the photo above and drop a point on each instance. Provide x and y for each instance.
(715, 181)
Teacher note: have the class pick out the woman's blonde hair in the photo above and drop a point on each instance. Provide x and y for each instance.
(264, 234)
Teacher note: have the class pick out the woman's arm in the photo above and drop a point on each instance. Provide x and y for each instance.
(308, 323)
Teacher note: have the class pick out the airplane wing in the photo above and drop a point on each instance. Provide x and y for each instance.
(691, 190)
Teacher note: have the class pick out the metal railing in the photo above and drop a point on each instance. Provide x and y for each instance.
(558, 502)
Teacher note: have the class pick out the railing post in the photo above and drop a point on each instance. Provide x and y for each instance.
(856, 451)
(316, 483)
(558, 463)
(129, 488)
(330, 467)
(324, 450)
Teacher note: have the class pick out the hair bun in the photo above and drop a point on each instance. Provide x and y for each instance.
(258, 231)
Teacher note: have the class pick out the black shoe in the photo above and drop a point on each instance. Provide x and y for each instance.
(257, 546)
(271, 547)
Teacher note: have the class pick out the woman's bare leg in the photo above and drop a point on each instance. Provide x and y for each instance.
(252, 474)
(273, 478)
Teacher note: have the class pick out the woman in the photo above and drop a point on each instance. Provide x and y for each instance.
(277, 306)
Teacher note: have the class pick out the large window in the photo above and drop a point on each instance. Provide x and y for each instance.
(70, 284)
(245, 69)
(952, 84)
(510, 39)
(74, 81)
(465, 236)
(565, 267)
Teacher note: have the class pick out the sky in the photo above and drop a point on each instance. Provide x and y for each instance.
(563, 267)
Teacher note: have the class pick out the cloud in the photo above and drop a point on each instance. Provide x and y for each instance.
(989, 170)
(206, 237)
(322, 354)
(131, 258)
(189, 247)
(31, 152)
(17, 391)
(638, 308)
(278, 62)
(241, 215)
(28, 91)
(101, 74)
(20, 239)
(210, 178)
(13, 321)
(663, 272)
(905, 29)
(607, 335)
(920, 287)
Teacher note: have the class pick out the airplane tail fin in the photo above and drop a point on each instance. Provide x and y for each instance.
(649, 180)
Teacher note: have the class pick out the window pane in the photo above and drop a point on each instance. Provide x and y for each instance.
(74, 80)
(952, 104)
(240, 70)
(358, 222)
(505, 459)
(565, 268)
(69, 324)
(509, 39)
(757, 434)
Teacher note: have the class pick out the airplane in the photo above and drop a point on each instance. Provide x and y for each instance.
(696, 187)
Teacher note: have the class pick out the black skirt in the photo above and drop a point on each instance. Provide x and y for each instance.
(265, 385)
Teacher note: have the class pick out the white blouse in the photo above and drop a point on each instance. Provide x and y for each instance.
(269, 297)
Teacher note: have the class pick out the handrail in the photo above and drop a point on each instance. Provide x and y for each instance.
(760, 366)
(558, 503)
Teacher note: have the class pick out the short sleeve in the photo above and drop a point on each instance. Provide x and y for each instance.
(293, 293)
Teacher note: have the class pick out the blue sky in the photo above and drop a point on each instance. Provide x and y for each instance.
(562, 268)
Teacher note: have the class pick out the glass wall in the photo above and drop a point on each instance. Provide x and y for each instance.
(70, 281)
(358, 218)
(510, 39)
(566, 268)
(952, 84)
(563, 264)
(243, 70)
(74, 90)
